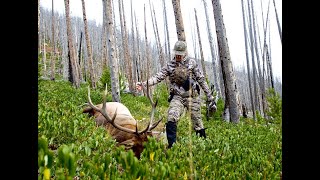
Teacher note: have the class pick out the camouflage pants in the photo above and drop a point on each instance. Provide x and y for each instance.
(176, 108)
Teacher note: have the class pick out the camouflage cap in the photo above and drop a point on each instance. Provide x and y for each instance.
(180, 48)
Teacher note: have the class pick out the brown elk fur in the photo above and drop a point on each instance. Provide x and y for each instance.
(124, 119)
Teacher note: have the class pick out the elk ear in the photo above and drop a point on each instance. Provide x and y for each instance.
(100, 120)
(158, 135)
(88, 110)
(149, 133)
(128, 143)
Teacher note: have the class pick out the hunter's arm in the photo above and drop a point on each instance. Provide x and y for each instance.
(200, 78)
(160, 76)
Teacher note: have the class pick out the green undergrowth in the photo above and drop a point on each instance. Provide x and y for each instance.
(70, 145)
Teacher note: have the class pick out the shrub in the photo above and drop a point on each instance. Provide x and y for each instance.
(105, 79)
(70, 145)
(275, 105)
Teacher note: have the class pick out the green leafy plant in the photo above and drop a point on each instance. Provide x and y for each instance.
(70, 145)
(105, 79)
(45, 158)
(275, 105)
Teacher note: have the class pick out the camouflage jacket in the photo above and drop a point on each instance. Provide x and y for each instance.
(190, 66)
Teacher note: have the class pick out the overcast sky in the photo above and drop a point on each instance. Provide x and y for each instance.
(232, 16)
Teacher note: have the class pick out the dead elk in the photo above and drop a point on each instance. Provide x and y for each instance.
(120, 124)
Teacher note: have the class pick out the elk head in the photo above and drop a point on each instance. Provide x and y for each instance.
(122, 126)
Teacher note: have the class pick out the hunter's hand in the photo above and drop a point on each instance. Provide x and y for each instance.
(210, 98)
(139, 86)
(212, 104)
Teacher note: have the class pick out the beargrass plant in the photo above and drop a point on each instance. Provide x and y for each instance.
(71, 146)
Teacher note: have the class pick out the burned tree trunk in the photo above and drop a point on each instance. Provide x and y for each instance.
(52, 75)
(89, 50)
(139, 74)
(178, 20)
(200, 45)
(255, 92)
(248, 63)
(72, 58)
(278, 23)
(231, 92)
(148, 68)
(39, 46)
(44, 56)
(113, 61)
(213, 55)
(104, 36)
(168, 49)
(127, 58)
(133, 54)
(79, 56)
(161, 55)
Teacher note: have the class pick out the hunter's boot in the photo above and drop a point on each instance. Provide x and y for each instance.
(171, 129)
(202, 133)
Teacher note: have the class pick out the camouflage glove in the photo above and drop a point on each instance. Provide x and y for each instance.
(212, 104)
(140, 86)
(210, 98)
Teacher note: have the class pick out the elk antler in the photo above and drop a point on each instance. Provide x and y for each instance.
(148, 128)
(104, 113)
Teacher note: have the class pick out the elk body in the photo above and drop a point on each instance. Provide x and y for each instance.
(120, 124)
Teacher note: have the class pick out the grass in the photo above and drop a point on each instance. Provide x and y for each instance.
(248, 150)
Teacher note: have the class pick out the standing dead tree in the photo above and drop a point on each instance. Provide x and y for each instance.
(254, 76)
(212, 50)
(166, 34)
(178, 19)
(264, 49)
(74, 74)
(139, 67)
(113, 61)
(247, 57)
(259, 74)
(89, 50)
(52, 75)
(127, 57)
(39, 46)
(148, 67)
(232, 107)
(81, 63)
(200, 45)
(133, 54)
(104, 36)
(278, 23)
(44, 56)
(155, 27)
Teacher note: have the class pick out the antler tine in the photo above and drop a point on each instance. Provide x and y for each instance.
(146, 129)
(152, 111)
(148, 94)
(104, 99)
(150, 98)
(104, 113)
(90, 102)
(155, 124)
